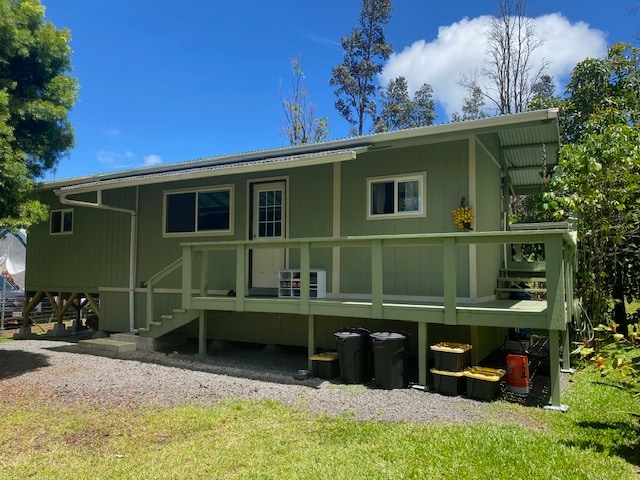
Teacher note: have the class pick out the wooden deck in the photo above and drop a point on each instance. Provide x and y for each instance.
(493, 313)
(551, 314)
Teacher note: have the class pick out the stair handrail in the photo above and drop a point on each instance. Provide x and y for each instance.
(154, 280)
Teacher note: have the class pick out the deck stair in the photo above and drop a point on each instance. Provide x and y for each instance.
(520, 281)
(169, 322)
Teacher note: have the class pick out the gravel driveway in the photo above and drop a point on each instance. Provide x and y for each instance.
(59, 371)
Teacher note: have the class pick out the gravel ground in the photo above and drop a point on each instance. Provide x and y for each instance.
(58, 370)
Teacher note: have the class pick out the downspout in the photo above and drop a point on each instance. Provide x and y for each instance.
(133, 247)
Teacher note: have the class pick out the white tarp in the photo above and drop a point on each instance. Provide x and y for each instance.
(13, 252)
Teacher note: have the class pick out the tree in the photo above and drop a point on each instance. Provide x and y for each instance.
(300, 124)
(543, 94)
(473, 106)
(36, 94)
(365, 51)
(509, 68)
(400, 111)
(600, 179)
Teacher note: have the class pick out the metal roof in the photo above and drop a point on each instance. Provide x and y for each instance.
(529, 154)
(523, 138)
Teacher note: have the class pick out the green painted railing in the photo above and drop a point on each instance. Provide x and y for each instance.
(557, 243)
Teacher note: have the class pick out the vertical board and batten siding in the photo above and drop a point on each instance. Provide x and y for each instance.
(156, 251)
(414, 271)
(310, 213)
(309, 197)
(95, 255)
(488, 219)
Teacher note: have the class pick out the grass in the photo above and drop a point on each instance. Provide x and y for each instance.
(259, 439)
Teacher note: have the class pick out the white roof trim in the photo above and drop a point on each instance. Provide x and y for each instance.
(275, 163)
(307, 154)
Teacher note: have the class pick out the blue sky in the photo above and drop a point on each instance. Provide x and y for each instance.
(164, 81)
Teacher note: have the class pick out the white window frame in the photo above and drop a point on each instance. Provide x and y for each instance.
(420, 177)
(204, 233)
(62, 212)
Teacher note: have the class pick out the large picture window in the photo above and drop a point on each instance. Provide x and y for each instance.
(199, 211)
(61, 222)
(402, 196)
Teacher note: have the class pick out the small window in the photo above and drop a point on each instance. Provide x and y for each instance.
(199, 212)
(61, 221)
(396, 196)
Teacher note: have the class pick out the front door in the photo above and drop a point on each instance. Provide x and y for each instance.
(269, 214)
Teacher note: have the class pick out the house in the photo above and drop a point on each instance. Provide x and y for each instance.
(286, 246)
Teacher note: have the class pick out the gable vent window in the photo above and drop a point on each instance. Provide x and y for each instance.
(61, 222)
(198, 212)
(390, 197)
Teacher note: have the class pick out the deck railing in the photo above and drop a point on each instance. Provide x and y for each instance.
(557, 244)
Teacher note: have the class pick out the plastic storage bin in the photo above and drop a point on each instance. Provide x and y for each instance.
(325, 365)
(354, 354)
(390, 359)
(452, 357)
(483, 383)
(448, 383)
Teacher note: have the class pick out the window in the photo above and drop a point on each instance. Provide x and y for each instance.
(396, 196)
(200, 212)
(61, 221)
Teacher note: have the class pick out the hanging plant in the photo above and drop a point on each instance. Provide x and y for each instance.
(463, 215)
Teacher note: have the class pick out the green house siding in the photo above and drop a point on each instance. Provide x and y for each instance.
(488, 209)
(408, 271)
(96, 254)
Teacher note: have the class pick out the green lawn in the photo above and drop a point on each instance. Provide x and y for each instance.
(242, 439)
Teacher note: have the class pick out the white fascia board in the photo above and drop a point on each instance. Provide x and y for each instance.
(250, 166)
(308, 153)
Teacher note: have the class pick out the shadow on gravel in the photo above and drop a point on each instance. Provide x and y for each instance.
(14, 363)
(240, 360)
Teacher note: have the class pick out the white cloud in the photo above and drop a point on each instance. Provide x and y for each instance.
(126, 159)
(152, 159)
(461, 48)
(111, 132)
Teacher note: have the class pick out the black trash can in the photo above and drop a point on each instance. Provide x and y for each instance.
(354, 355)
(390, 359)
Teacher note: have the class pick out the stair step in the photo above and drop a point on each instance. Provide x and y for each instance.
(105, 345)
(143, 329)
(179, 310)
(527, 290)
(155, 324)
(528, 270)
(167, 317)
(522, 279)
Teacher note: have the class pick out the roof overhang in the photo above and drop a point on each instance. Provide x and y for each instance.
(528, 144)
(226, 168)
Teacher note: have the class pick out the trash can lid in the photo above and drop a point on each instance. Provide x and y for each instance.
(347, 334)
(351, 333)
(388, 336)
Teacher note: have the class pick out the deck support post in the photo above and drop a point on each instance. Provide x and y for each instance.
(187, 278)
(305, 277)
(423, 363)
(202, 334)
(241, 279)
(311, 340)
(554, 361)
(204, 273)
(377, 275)
(450, 281)
(566, 352)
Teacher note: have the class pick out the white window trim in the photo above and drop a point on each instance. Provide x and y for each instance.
(206, 233)
(62, 211)
(421, 177)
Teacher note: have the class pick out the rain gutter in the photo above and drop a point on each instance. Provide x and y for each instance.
(133, 242)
